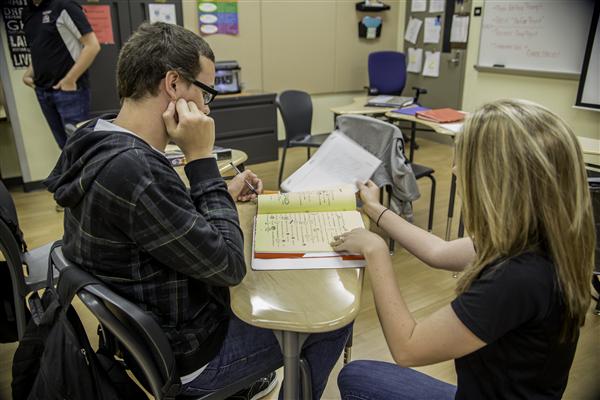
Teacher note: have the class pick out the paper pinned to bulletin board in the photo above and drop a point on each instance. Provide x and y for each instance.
(218, 17)
(101, 21)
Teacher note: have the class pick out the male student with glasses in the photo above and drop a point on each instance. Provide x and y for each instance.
(130, 221)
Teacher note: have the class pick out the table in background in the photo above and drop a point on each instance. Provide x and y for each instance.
(294, 303)
(359, 107)
(238, 158)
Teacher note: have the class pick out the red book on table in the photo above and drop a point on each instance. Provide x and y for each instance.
(441, 115)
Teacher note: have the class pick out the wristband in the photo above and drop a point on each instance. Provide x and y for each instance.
(380, 215)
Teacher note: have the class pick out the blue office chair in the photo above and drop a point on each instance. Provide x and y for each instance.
(387, 74)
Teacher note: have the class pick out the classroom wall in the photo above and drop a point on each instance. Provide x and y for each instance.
(258, 44)
(556, 94)
(35, 146)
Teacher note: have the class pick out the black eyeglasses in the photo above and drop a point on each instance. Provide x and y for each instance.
(208, 93)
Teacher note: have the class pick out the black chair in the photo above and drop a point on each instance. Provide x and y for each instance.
(138, 334)
(296, 111)
(27, 269)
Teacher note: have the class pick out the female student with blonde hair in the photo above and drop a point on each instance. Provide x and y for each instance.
(527, 265)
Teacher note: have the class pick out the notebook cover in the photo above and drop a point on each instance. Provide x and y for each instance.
(441, 115)
(411, 110)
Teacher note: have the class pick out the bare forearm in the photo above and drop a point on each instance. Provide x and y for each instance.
(396, 320)
(432, 250)
(85, 60)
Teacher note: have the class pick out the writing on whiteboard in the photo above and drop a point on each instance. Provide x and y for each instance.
(535, 34)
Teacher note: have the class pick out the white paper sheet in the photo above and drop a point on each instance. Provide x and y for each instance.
(259, 264)
(162, 13)
(432, 64)
(460, 29)
(418, 5)
(415, 60)
(412, 30)
(436, 5)
(455, 127)
(433, 27)
(339, 161)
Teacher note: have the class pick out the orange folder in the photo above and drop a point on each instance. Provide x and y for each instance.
(441, 115)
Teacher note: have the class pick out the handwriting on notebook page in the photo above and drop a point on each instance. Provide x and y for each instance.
(302, 232)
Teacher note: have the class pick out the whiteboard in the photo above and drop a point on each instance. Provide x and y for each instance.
(538, 35)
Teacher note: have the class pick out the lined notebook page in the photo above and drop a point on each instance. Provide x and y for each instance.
(302, 232)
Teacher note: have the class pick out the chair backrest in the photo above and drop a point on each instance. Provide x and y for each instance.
(296, 111)
(387, 72)
(136, 331)
(9, 246)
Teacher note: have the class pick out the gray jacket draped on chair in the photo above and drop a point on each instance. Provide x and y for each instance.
(385, 142)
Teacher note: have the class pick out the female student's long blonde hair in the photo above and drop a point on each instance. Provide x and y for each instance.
(523, 183)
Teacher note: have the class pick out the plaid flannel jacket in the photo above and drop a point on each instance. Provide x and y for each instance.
(130, 221)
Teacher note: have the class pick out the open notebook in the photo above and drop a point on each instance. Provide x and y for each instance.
(293, 230)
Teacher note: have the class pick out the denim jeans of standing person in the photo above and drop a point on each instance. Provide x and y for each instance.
(377, 380)
(247, 347)
(61, 108)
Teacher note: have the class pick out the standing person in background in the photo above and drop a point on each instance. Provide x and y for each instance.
(63, 46)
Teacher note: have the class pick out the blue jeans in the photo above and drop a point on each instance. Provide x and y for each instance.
(246, 347)
(61, 108)
(370, 380)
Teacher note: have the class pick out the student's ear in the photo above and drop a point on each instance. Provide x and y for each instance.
(171, 82)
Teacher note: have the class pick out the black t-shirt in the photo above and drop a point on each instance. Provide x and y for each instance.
(515, 306)
(53, 30)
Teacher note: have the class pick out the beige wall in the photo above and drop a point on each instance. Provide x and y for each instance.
(556, 94)
(38, 151)
(35, 145)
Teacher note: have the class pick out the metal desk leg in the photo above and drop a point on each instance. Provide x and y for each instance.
(413, 138)
(451, 207)
(291, 346)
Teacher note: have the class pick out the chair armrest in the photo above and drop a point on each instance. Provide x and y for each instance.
(418, 91)
(371, 91)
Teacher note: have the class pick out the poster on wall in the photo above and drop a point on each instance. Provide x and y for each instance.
(12, 14)
(101, 21)
(218, 17)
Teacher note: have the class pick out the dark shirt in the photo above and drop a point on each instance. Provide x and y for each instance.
(53, 30)
(130, 221)
(515, 306)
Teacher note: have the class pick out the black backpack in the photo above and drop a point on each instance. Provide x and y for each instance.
(54, 359)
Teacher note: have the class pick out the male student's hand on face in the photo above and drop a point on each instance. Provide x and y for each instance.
(191, 129)
(238, 188)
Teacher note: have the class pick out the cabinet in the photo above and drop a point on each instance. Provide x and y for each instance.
(247, 123)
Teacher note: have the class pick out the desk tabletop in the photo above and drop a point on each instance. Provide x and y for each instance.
(358, 107)
(438, 128)
(300, 301)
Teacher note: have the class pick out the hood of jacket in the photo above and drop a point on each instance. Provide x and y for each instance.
(86, 153)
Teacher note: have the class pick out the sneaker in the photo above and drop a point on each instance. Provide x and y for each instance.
(259, 389)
